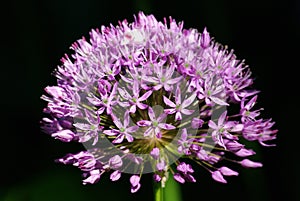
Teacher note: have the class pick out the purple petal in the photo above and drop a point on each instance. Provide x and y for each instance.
(178, 95)
(64, 135)
(178, 116)
(169, 111)
(220, 140)
(236, 97)
(189, 168)
(217, 176)
(93, 178)
(110, 132)
(95, 101)
(115, 162)
(174, 81)
(201, 97)
(126, 119)
(207, 101)
(233, 145)
(197, 123)
(222, 118)
(170, 71)
(124, 93)
(266, 145)
(129, 138)
(205, 39)
(155, 153)
(144, 123)
(156, 178)
(151, 79)
(182, 167)
(189, 100)
(168, 87)
(145, 96)
(148, 132)
(161, 117)
(54, 91)
(84, 138)
(135, 88)
(115, 175)
(132, 109)
(122, 104)
(166, 126)
(244, 152)
(157, 87)
(142, 106)
(109, 110)
(113, 91)
(218, 101)
(251, 103)
(212, 125)
(237, 128)
(157, 132)
(132, 129)
(125, 79)
(250, 164)
(100, 110)
(161, 166)
(118, 139)
(118, 123)
(180, 149)
(135, 188)
(190, 178)
(184, 135)
(228, 172)
(179, 178)
(151, 114)
(135, 183)
(187, 112)
(168, 102)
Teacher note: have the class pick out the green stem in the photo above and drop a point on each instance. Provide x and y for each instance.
(158, 192)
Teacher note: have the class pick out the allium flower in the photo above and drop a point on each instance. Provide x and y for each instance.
(141, 96)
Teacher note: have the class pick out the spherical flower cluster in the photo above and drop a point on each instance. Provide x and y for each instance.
(147, 96)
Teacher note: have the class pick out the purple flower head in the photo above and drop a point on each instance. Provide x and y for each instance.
(143, 96)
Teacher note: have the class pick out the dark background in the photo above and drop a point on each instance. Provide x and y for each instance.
(35, 35)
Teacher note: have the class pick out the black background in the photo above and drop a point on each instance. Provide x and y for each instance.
(35, 35)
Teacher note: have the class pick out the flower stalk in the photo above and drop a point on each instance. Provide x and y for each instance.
(158, 192)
